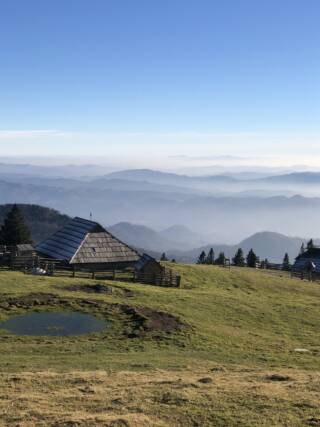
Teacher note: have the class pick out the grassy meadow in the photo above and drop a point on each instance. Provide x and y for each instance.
(244, 351)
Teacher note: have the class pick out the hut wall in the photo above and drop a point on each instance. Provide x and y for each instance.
(152, 268)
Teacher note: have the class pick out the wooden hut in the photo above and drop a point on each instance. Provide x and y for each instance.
(308, 261)
(149, 270)
(148, 266)
(86, 245)
(24, 249)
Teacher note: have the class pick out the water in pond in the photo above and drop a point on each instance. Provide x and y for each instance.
(53, 324)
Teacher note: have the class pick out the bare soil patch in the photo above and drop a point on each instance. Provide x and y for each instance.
(141, 320)
(98, 289)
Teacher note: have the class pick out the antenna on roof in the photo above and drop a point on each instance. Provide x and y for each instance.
(90, 216)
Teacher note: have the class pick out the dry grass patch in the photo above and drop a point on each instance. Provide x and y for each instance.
(214, 397)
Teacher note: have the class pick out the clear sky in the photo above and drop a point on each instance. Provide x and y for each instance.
(169, 78)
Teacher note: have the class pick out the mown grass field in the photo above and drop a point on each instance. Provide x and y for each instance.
(233, 362)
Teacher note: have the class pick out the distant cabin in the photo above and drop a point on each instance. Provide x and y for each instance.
(24, 249)
(308, 261)
(148, 266)
(86, 245)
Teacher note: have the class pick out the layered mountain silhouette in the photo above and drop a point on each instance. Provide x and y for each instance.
(177, 241)
(222, 208)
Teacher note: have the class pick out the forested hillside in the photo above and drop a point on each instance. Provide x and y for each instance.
(41, 221)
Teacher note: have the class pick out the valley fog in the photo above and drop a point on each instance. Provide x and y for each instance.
(167, 211)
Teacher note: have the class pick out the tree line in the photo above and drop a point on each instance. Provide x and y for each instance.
(239, 260)
(250, 260)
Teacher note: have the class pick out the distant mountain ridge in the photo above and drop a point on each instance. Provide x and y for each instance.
(270, 245)
(183, 235)
(176, 240)
(219, 207)
(294, 178)
(175, 237)
(158, 176)
(228, 218)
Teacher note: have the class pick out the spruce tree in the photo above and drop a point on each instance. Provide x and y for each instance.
(302, 249)
(221, 259)
(238, 259)
(310, 244)
(202, 258)
(286, 263)
(210, 257)
(14, 231)
(164, 257)
(252, 259)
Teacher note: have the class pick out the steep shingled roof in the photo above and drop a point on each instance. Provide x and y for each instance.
(84, 241)
(103, 248)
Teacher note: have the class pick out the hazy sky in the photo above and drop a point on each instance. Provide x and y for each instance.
(155, 82)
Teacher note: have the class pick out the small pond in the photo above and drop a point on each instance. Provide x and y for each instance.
(57, 324)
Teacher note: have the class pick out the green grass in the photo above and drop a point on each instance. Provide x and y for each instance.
(231, 317)
(242, 320)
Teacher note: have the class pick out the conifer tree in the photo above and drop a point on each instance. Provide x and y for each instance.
(14, 231)
(221, 259)
(210, 257)
(310, 244)
(286, 263)
(238, 259)
(252, 259)
(164, 257)
(202, 258)
(302, 249)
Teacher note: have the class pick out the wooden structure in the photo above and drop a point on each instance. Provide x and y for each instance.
(24, 250)
(307, 264)
(148, 265)
(149, 270)
(86, 245)
(9, 255)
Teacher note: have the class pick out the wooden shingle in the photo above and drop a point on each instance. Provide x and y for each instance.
(83, 242)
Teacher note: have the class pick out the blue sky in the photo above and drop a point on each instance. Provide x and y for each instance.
(108, 77)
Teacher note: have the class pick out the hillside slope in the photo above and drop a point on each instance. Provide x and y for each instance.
(41, 221)
(232, 316)
(232, 362)
(176, 237)
(140, 236)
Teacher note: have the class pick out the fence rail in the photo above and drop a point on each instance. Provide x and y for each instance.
(30, 264)
(166, 278)
(312, 276)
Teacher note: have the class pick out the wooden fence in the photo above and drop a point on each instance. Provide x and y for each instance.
(312, 276)
(29, 264)
(165, 278)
